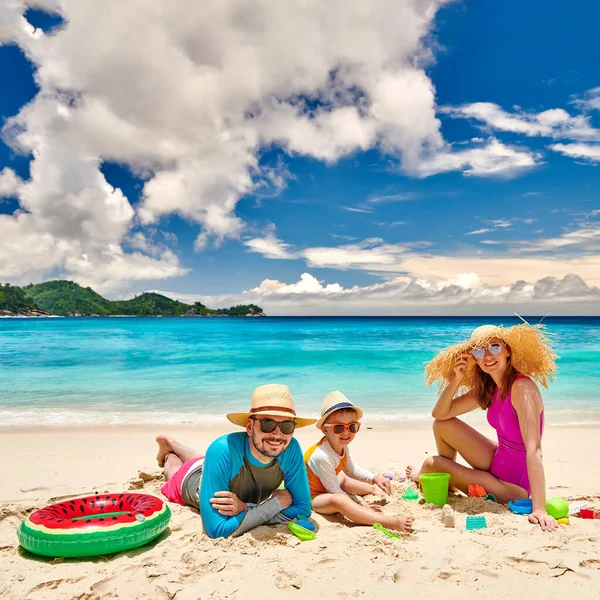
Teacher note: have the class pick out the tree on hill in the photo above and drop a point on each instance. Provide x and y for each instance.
(13, 299)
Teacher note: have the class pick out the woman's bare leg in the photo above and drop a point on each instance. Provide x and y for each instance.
(329, 504)
(455, 436)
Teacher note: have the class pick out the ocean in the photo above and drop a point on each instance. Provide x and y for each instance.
(93, 371)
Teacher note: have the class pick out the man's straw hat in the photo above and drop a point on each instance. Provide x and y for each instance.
(530, 350)
(273, 400)
(336, 401)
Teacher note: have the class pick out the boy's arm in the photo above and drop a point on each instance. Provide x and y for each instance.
(296, 483)
(353, 470)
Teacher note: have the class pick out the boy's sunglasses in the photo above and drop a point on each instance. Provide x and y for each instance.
(339, 428)
(493, 349)
(269, 426)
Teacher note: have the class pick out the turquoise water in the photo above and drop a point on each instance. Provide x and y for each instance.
(168, 370)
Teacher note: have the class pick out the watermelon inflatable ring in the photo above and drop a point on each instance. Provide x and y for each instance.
(100, 524)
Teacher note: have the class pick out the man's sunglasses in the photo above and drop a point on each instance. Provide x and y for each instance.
(339, 428)
(493, 349)
(269, 426)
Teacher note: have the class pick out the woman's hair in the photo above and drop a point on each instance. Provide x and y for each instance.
(484, 385)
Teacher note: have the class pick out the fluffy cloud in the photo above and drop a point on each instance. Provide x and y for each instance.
(575, 251)
(590, 152)
(188, 94)
(556, 122)
(464, 294)
(10, 183)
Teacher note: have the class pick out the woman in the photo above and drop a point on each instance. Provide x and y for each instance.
(496, 366)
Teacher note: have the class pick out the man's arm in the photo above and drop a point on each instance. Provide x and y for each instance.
(215, 478)
(296, 482)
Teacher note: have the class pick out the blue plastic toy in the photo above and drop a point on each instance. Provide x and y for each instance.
(476, 522)
(521, 507)
(306, 524)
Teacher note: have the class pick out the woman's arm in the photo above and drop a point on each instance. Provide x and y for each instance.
(447, 405)
(527, 401)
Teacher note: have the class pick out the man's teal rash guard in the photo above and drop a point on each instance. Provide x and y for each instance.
(229, 465)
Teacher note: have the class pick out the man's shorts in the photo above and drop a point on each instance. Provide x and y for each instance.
(184, 487)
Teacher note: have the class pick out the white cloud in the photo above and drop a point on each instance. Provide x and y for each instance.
(398, 197)
(493, 159)
(270, 246)
(464, 294)
(478, 231)
(356, 210)
(556, 122)
(590, 152)
(590, 100)
(10, 183)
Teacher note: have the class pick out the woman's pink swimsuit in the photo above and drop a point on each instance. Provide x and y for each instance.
(510, 460)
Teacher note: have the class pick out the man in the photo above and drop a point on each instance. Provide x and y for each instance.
(235, 486)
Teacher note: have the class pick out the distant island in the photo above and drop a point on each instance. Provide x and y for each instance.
(68, 299)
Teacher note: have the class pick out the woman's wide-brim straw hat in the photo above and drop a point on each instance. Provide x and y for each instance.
(530, 353)
(273, 400)
(336, 401)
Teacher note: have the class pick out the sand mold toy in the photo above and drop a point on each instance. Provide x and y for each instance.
(94, 525)
(521, 507)
(410, 494)
(575, 507)
(476, 522)
(557, 507)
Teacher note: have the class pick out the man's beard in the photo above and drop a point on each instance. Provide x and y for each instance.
(265, 451)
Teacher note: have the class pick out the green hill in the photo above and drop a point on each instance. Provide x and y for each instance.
(66, 298)
(13, 299)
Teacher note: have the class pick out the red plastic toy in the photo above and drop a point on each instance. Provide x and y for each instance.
(476, 491)
(589, 513)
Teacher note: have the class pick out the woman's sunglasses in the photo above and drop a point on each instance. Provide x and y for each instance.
(493, 349)
(269, 426)
(339, 428)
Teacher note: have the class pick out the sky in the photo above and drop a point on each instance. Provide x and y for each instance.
(395, 157)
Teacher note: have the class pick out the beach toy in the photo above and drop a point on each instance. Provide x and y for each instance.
(589, 513)
(476, 491)
(521, 507)
(490, 497)
(563, 521)
(303, 534)
(306, 524)
(100, 524)
(448, 518)
(435, 487)
(385, 531)
(476, 522)
(557, 507)
(388, 475)
(410, 494)
(575, 507)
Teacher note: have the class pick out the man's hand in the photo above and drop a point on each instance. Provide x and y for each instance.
(383, 483)
(284, 497)
(228, 504)
(545, 521)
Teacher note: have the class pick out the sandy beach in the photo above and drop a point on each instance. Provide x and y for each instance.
(509, 558)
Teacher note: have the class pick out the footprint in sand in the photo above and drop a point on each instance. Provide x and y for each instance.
(285, 580)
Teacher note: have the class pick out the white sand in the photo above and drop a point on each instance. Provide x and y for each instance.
(511, 558)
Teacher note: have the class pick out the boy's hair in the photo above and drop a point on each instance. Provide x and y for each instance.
(341, 411)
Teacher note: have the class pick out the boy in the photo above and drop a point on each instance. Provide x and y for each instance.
(332, 474)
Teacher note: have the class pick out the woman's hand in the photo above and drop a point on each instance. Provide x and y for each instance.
(545, 521)
(460, 366)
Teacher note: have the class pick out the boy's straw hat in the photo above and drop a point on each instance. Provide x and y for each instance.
(336, 401)
(272, 400)
(530, 350)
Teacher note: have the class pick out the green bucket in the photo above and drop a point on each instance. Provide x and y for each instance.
(435, 487)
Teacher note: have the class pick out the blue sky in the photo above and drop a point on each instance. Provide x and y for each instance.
(435, 161)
